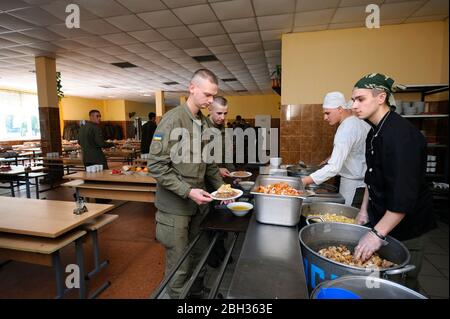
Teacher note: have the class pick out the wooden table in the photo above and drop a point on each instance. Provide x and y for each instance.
(120, 187)
(126, 155)
(20, 169)
(35, 231)
(44, 218)
(64, 161)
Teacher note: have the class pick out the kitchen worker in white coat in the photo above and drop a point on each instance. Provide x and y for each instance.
(348, 156)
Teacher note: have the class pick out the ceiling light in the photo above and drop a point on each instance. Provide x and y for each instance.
(124, 65)
(205, 58)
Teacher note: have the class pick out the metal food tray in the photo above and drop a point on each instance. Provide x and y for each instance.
(275, 209)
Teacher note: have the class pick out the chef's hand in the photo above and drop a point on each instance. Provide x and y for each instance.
(368, 244)
(362, 218)
(224, 172)
(199, 196)
(307, 180)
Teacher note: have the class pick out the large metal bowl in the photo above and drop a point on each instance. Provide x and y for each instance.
(366, 288)
(320, 235)
(317, 209)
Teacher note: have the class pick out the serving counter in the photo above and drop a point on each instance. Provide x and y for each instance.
(270, 264)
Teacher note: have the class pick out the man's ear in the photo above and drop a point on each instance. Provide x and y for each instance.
(382, 98)
(191, 88)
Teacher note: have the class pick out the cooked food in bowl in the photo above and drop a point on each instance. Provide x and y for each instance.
(240, 174)
(240, 208)
(225, 191)
(342, 254)
(335, 218)
(281, 188)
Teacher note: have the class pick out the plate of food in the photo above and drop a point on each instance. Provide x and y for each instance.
(225, 192)
(240, 174)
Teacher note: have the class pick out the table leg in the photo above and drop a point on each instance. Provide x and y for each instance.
(27, 184)
(59, 275)
(80, 263)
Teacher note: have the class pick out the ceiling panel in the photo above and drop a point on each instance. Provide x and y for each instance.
(147, 35)
(311, 18)
(240, 25)
(195, 14)
(175, 33)
(159, 19)
(138, 6)
(234, 9)
(128, 23)
(205, 29)
(282, 21)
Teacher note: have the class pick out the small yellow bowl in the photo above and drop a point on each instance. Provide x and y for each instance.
(240, 208)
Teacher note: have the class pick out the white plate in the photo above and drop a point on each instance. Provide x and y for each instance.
(239, 194)
(247, 174)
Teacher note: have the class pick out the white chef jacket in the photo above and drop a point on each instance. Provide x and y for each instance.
(348, 157)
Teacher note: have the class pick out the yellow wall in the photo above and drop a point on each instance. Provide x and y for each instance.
(141, 109)
(77, 108)
(248, 106)
(315, 63)
(114, 110)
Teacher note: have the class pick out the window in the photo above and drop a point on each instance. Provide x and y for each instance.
(19, 116)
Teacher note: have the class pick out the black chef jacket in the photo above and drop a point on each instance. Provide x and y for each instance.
(396, 160)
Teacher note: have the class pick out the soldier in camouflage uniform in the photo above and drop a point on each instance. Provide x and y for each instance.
(181, 199)
(91, 140)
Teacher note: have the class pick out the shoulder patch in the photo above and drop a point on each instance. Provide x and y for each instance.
(157, 137)
(156, 147)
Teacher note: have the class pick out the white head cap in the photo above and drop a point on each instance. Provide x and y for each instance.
(333, 100)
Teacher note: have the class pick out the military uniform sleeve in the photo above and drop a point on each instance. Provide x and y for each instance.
(99, 140)
(159, 162)
(213, 175)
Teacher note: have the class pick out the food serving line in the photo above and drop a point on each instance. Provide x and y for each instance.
(279, 257)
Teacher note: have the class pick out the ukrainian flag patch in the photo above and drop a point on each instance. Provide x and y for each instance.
(157, 137)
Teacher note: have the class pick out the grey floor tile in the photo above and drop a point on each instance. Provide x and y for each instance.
(434, 286)
(438, 261)
(428, 269)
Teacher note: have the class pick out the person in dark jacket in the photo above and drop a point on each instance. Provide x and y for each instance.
(148, 129)
(91, 140)
(397, 200)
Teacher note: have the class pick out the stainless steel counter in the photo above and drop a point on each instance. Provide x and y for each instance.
(270, 264)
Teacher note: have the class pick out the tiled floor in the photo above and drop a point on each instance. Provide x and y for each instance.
(137, 261)
(433, 277)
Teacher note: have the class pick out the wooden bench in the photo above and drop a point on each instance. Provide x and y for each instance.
(92, 227)
(46, 251)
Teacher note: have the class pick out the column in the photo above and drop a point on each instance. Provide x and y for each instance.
(48, 110)
(160, 105)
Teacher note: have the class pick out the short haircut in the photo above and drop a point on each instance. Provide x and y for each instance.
(93, 111)
(220, 100)
(238, 117)
(376, 92)
(205, 74)
(151, 115)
